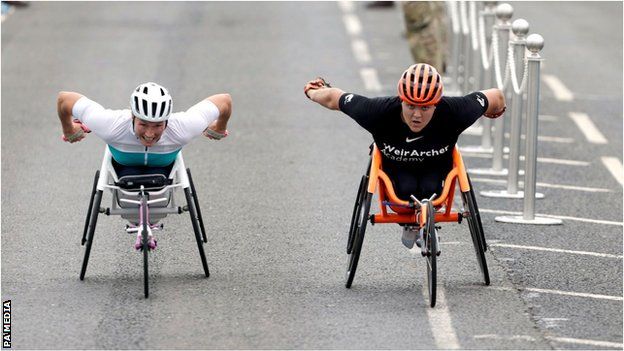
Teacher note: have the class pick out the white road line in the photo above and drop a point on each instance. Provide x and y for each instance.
(597, 343)
(588, 220)
(352, 23)
(592, 134)
(561, 92)
(545, 185)
(346, 6)
(560, 292)
(597, 254)
(552, 139)
(371, 81)
(614, 165)
(548, 118)
(440, 322)
(360, 51)
(504, 337)
(539, 159)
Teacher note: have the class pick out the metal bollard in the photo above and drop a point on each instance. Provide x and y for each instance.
(534, 43)
(466, 48)
(487, 18)
(504, 12)
(453, 68)
(520, 28)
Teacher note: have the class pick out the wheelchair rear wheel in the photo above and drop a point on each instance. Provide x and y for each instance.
(476, 232)
(358, 239)
(145, 247)
(86, 225)
(94, 211)
(357, 208)
(194, 222)
(430, 239)
(478, 219)
(196, 202)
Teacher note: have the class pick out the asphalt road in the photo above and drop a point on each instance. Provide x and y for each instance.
(277, 194)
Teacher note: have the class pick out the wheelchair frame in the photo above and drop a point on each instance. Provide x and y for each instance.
(139, 211)
(423, 214)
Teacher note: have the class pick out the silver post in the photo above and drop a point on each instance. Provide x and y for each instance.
(465, 49)
(503, 13)
(488, 15)
(520, 28)
(456, 44)
(535, 43)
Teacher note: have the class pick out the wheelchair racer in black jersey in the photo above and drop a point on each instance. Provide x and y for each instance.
(415, 130)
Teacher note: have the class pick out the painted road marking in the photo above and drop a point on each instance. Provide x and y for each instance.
(614, 165)
(597, 343)
(561, 92)
(592, 134)
(346, 6)
(477, 131)
(504, 337)
(587, 253)
(545, 185)
(539, 159)
(352, 23)
(440, 321)
(560, 292)
(371, 81)
(588, 220)
(360, 51)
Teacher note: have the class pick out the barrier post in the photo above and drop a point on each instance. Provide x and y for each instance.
(520, 28)
(535, 43)
(504, 12)
(487, 19)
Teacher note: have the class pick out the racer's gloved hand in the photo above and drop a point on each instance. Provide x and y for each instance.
(317, 83)
(78, 134)
(214, 133)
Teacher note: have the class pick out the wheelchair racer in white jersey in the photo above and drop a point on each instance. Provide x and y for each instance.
(146, 138)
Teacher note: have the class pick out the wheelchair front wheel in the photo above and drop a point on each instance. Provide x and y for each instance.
(476, 232)
(430, 239)
(358, 239)
(145, 248)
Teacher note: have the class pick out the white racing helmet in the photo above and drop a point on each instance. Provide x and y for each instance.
(151, 102)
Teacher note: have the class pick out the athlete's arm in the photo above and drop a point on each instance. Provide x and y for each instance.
(224, 104)
(65, 102)
(318, 91)
(496, 103)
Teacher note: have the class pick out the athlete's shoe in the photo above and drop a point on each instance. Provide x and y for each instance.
(409, 235)
(419, 241)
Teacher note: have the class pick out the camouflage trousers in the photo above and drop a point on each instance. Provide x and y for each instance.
(426, 29)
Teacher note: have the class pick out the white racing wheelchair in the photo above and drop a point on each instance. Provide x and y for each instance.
(143, 201)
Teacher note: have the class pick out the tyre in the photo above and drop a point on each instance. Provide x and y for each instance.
(94, 211)
(478, 219)
(196, 202)
(430, 239)
(194, 222)
(476, 232)
(358, 240)
(357, 208)
(145, 248)
(86, 225)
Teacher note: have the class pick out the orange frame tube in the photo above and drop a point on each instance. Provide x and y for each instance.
(379, 180)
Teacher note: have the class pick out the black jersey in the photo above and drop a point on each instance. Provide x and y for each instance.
(402, 148)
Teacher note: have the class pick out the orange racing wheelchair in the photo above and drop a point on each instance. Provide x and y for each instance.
(424, 214)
